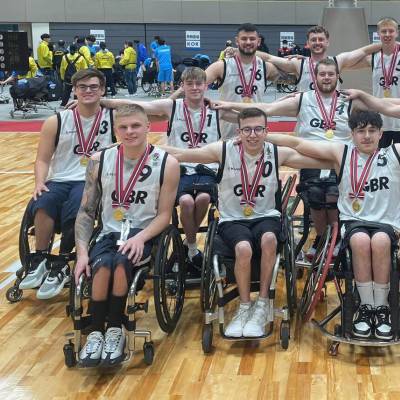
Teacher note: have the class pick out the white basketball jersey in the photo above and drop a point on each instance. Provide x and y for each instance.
(389, 123)
(310, 122)
(145, 194)
(304, 82)
(230, 185)
(231, 89)
(382, 189)
(178, 135)
(65, 163)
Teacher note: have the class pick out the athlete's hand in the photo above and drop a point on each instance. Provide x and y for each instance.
(230, 52)
(288, 96)
(39, 189)
(81, 267)
(71, 105)
(133, 247)
(221, 105)
(351, 94)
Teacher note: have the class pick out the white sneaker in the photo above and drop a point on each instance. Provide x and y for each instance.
(114, 345)
(255, 326)
(235, 327)
(58, 276)
(91, 353)
(36, 274)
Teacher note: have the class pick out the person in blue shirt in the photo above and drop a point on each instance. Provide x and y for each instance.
(154, 45)
(141, 54)
(164, 63)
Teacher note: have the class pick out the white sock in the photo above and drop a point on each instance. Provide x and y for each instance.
(366, 292)
(192, 249)
(381, 292)
(263, 300)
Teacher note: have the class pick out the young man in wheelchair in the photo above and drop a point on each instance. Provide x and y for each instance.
(369, 189)
(249, 221)
(66, 142)
(134, 185)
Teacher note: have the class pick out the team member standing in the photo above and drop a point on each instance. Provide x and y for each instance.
(369, 187)
(249, 221)
(128, 61)
(45, 56)
(104, 61)
(66, 141)
(164, 64)
(145, 204)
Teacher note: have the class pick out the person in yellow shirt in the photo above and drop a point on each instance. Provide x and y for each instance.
(45, 56)
(70, 63)
(222, 53)
(104, 61)
(84, 52)
(128, 61)
(30, 73)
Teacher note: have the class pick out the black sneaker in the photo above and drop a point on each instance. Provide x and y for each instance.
(193, 270)
(363, 321)
(197, 260)
(383, 324)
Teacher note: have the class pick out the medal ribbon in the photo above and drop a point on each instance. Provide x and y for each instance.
(247, 87)
(86, 144)
(357, 184)
(249, 191)
(388, 76)
(193, 140)
(122, 193)
(328, 120)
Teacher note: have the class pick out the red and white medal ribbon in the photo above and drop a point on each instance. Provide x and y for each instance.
(249, 191)
(329, 120)
(85, 144)
(388, 75)
(122, 194)
(193, 139)
(357, 184)
(247, 87)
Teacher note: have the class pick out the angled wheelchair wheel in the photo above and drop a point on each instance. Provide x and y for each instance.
(169, 279)
(318, 271)
(290, 268)
(208, 285)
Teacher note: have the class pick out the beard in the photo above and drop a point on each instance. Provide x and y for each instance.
(327, 88)
(247, 52)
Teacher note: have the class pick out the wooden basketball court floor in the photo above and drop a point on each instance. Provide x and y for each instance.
(32, 337)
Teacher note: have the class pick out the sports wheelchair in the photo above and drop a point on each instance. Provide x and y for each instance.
(27, 250)
(167, 271)
(337, 325)
(218, 281)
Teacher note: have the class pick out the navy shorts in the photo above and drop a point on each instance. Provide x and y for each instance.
(62, 202)
(233, 232)
(187, 181)
(105, 254)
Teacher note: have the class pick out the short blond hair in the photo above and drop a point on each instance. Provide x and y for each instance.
(194, 74)
(127, 110)
(387, 20)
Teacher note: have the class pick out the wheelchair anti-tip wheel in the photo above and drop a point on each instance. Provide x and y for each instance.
(148, 352)
(207, 338)
(69, 355)
(14, 294)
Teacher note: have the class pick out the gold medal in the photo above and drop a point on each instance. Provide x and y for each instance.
(386, 93)
(356, 206)
(248, 211)
(84, 161)
(329, 134)
(247, 100)
(118, 214)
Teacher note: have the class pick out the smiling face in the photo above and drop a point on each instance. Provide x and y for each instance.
(247, 42)
(388, 32)
(88, 91)
(366, 139)
(194, 89)
(327, 78)
(318, 43)
(132, 129)
(252, 133)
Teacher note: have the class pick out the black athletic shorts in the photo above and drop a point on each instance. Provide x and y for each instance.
(233, 232)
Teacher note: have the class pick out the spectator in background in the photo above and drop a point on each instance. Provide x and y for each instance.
(306, 50)
(58, 55)
(30, 73)
(104, 61)
(154, 44)
(285, 50)
(45, 56)
(129, 62)
(296, 49)
(228, 43)
(90, 41)
(164, 63)
(263, 47)
(84, 51)
(141, 54)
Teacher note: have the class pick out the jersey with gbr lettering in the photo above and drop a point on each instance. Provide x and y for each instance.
(178, 135)
(231, 89)
(304, 82)
(310, 123)
(65, 164)
(382, 189)
(144, 196)
(230, 190)
(389, 123)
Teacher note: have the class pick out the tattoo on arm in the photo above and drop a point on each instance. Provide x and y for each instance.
(87, 212)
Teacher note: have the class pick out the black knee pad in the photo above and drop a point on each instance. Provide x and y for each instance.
(67, 238)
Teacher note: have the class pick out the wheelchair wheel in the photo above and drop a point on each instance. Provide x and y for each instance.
(318, 271)
(69, 355)
(208, 286)
(207, 337)
(290, 269)
(169, 279)
(148, 351)
(284, 335)
(14, 294)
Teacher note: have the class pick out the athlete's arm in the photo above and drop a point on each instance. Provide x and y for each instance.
(272, 72)
(135, 245)
(229, 115)
(85, 218)
(287, 65)
(44, 153)
(155, 107)
(358, 58)
(204, 155)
